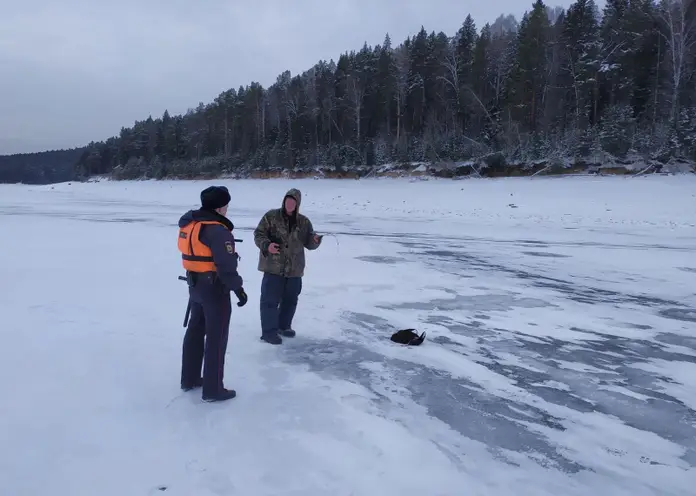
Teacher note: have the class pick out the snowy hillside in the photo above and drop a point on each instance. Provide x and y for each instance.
(560, 358)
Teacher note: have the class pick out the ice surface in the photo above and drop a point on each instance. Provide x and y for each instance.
(560, 359)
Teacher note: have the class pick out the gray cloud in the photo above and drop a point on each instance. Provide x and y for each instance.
(75, 71)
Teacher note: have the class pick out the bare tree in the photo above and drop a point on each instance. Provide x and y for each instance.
(679, 33)
(451, 78)
(404, 85)
(258, 103)
(327, 102)
(356, 92)
(499, 65)
(292, 110)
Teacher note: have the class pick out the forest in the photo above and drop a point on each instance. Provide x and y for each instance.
(53, 166)
(572, 86)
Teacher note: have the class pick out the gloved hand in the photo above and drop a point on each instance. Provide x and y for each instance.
(242, 297)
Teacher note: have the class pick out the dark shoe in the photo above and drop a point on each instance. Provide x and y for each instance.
(225, 394)
(195, 385)
(287, 333)
(271, 338)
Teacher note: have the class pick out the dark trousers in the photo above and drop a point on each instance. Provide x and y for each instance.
(278, 302)
(206, 337)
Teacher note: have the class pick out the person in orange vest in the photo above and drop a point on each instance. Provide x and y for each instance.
(210, 258)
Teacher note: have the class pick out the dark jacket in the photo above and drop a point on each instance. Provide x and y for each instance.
(293, 233)
(218, 238)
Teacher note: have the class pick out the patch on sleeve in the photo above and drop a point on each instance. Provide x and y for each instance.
(230, 247)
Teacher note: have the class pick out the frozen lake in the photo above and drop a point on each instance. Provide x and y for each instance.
(560, 357)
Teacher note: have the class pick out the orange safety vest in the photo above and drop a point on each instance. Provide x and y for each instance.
(195, 256)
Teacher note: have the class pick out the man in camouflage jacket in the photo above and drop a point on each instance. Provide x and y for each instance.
(282, 236)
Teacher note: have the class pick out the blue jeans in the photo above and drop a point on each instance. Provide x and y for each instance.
(278, 302)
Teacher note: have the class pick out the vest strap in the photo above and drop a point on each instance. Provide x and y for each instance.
(197, 258)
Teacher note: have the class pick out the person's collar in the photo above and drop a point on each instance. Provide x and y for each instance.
(204, 214)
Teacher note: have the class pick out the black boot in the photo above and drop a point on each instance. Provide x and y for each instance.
(271, 338)
(287, 333)
(225, 394)
(194, 385)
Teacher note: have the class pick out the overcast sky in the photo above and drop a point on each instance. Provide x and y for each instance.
(73, 71)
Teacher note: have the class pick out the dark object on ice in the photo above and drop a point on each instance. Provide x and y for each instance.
(408, 336)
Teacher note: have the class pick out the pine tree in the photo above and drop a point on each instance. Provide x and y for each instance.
(528, 81)
(581, 39)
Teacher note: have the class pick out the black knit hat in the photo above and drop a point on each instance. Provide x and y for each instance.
(214, 197)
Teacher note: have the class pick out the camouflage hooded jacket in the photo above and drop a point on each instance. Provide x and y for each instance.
(293, 237)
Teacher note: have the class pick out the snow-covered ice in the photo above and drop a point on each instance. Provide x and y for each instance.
(560, 357)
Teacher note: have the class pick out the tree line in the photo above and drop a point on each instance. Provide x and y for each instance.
(572, 85)
(53, 166)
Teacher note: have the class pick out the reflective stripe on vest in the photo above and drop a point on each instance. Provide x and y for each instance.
(195, 256)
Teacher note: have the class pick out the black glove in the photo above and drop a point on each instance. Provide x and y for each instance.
(242, 296)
